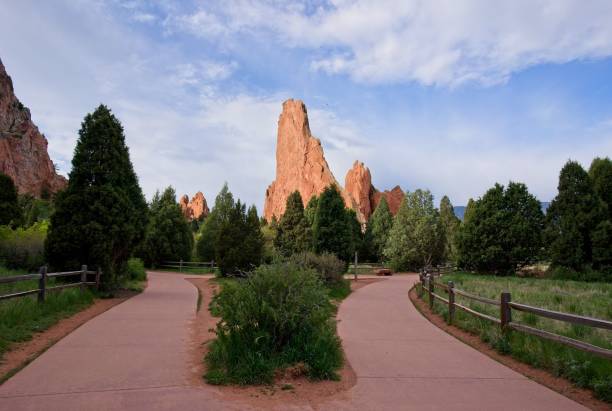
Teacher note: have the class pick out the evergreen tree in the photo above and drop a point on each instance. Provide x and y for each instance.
(254, 240)
(331, 230)
(293, 233)
(169, 236)
(449, 224)
(572, 217)
(380, 225)
(311, 210)
(209, 231)
(502, 232)
(600, 173)
(357, 237)
(10, 213)
(101, 216)
(414, 238)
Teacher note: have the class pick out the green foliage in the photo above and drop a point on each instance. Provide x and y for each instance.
(380, 224)
(414, 237)
(209, 232)
(572, 218)
(586, 299)
(293, 234)
(136, 270)
(23, 248)
(239, 243)
(503, 231)
(329, 267)
(101, 216)
(278, 317)
(169, 236)
(600, 173)
(332, 229)
(34, 210)
(10, 213)
(311, 210)
(449, 225)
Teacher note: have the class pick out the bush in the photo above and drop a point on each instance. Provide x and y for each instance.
(329, 267)
(23, 248)
(136, 270)
(586, 274)
(280, 316)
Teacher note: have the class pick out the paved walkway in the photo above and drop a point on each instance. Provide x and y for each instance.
(136, 356)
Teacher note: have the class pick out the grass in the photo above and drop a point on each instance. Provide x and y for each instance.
(21, 318)
(589, 299)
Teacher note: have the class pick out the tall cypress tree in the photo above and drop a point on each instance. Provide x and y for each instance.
(207, 237)
(10, 213)
(380, 225)
(331, 230)
(293, 233)
(101, 216)
(449, 224)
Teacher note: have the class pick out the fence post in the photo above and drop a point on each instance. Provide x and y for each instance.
(505, 310)
(83, 277)
(451, 301)
(98, 278)
(42, 284)
(355, 265)
(430, 286)
(180, 266)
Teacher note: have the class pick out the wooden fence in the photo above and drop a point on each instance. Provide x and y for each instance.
(506, 305)
(42, 276)
(187, 265)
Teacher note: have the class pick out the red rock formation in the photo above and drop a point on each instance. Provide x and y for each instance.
(300, 164)
(196, 208)
(23, 149)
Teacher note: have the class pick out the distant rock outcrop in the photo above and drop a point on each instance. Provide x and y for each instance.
(196, 208)
(301, 165)
(23, 149)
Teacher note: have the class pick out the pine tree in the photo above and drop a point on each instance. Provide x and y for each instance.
(169, 236)
(449, 224)
(207, 237)
(101, 216)
(357, 237)
(293, 233)
(331, 230)
(311, 210)
(600, 173)
(572, 217)
(10, 213)
(380, 225)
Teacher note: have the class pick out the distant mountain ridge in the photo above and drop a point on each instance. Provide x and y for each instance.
(460, 210)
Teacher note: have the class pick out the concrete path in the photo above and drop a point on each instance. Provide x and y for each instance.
(136, 356)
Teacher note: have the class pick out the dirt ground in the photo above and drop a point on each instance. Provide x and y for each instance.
(558, 384)
(287, 389)
(21, 354)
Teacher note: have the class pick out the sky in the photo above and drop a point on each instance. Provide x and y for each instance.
(446, 95)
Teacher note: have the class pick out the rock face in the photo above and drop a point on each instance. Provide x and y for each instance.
(23, 149)
(196, 208)
(301, 165)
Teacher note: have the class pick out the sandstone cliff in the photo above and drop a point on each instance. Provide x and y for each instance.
(196, 208)
(301, 165)
(23, 149)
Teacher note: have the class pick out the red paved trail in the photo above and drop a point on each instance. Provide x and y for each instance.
(135, 356)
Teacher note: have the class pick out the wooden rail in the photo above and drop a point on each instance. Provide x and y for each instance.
(187, 264)
(43, 277)
(428, 284)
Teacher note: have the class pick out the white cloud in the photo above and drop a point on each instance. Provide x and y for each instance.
(446, 42)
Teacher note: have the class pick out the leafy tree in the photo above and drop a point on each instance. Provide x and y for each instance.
(10, 213)
(449, 224)
(572, 217)
(332, 231)
(169, 236)
(602, 247)
(239, 243)
(209, 231)
(293, 234)
(34, 210)
(502, 232)
(600, 173)
(101, 216)
(414, 237)
(380, 225)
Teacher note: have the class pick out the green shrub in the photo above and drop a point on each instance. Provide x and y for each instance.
(23, 248)
(136, 269)
(329, 267)
(586, 274)
(278, 317)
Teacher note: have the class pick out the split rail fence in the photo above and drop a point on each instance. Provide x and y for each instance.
(43, 276)
(428, 285)
(188, 265)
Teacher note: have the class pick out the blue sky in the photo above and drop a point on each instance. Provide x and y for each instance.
(452, 96)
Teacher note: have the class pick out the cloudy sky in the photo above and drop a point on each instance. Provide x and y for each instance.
(447, 95)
